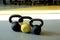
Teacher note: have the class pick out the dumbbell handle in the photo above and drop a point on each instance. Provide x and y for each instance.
(10, 18)
(24, 17)
(40, 20)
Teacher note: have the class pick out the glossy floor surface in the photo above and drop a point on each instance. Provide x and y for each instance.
(50, 31)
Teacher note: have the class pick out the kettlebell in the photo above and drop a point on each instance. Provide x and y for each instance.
(15, 25)
(25, 27)
(36, 29)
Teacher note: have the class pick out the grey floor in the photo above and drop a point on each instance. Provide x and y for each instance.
(50, 31)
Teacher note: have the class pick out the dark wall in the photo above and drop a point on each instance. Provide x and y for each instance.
(8, 1)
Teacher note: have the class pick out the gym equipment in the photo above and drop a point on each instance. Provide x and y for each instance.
(36, 29)
(25, 27)
(15, 25)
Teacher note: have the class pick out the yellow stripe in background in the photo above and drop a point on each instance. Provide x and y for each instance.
(36, 8)
(31, 10)
(40, 8)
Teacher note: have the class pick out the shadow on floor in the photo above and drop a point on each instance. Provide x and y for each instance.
(46, 33)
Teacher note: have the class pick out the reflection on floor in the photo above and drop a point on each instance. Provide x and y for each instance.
(50, 31)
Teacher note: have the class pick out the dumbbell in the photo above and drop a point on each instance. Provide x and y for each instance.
(15, 25)
(36, 29)
(25, 27)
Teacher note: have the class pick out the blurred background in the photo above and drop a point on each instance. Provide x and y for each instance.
(55, 6)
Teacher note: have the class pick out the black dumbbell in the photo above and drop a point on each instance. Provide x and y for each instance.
(36, 29)
(15, 25)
